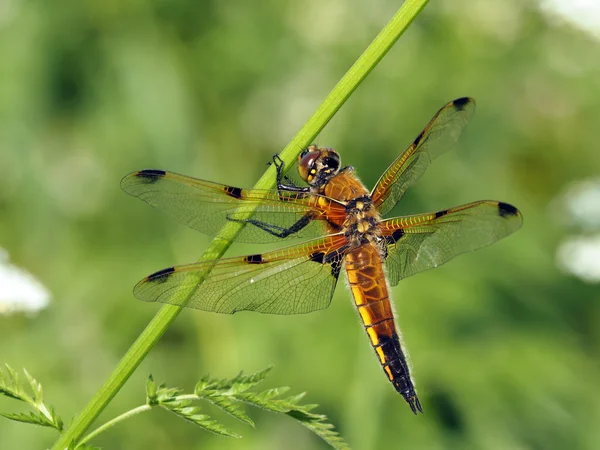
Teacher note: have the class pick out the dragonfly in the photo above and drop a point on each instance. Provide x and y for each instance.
(343, 226)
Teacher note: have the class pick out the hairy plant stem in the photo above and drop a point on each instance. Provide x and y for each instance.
(165, 316)
(113, 422)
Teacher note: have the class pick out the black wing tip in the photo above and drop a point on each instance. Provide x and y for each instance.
(147, 176)
(462, 102)
(418, 138)
(161, 275)
(507, 210)
(441, 213)
(150, 173)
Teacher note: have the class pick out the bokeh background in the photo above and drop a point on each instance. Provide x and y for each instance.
(504, 342)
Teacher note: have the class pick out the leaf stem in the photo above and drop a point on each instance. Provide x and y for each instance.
(165, 316)
(113, 422)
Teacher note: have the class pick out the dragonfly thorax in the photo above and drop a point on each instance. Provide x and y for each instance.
(362, 222)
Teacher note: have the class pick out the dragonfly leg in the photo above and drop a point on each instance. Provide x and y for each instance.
(290, 186)
(276, 230)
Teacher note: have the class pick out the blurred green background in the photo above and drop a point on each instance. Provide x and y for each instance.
(504, 344)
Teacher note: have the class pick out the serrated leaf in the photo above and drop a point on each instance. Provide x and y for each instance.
(7, 391)
(317, 423)
(191, 414)
(324, 430)
(175, 403)
(243, 382)
(226, 394)
(165, 394)
(9, 386)
(44, 415)
(55, 418)
(36, 388)
(293, 400)
(205, 383)
(239, 383)
(266, 399)
(233, 409)
(13, 375)
(32, 418)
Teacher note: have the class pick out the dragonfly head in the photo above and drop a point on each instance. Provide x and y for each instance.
(317, 165)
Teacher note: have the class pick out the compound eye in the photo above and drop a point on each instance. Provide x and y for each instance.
(306, 166)
(332, 162)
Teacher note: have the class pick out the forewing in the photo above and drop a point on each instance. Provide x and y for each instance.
(207, 206)
(440, 134)
(421, 242)
(293, 280)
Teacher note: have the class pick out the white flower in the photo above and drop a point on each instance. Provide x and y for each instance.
(19, 290)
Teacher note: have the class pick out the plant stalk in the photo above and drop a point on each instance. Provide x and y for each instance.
(111, 423)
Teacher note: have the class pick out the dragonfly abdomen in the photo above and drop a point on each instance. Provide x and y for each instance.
(364, 267)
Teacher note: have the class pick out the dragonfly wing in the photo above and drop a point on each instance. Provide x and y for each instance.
(420, 242)
(293, 280)
(207, 206)
(440, 134)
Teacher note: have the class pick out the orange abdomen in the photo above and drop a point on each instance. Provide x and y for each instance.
(364, 267)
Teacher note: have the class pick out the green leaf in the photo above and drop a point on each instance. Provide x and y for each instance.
(191, 414)
(33, 418)
(54, 418)
(44, 415)
(321, 428)
(317, 423)
(172, 400)
(267, 399)
(36, 388)
(151, 398)
(168, 395)
(227, 405)
(9, 386)
(239, 383)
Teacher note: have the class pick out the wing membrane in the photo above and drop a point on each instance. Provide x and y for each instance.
(425, 241)
(294, 280)
(440, 134)
(207, 206)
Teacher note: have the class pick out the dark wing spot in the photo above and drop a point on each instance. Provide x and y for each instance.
(441, 213)
(418, 139)
(318, 257)
(254, 259)
(150, 175)
(161, 276)
(336, 266)
(397, 235)
(233, 191)
(334, 227)
(333, 259)
(460, 103)
(506, 210)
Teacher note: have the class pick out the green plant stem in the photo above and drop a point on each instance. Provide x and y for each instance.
(113, 422)
(161, 321)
